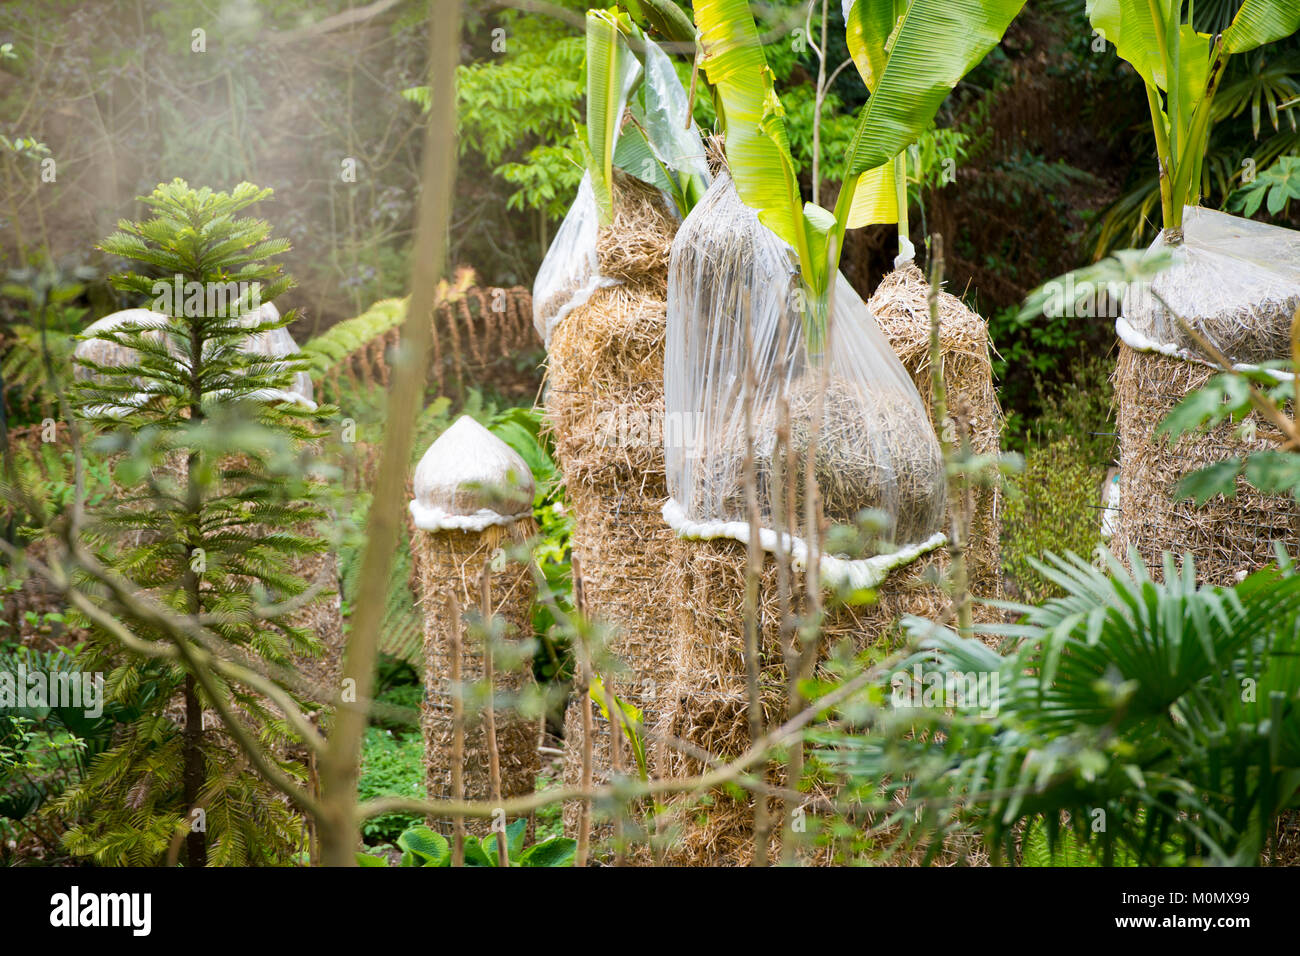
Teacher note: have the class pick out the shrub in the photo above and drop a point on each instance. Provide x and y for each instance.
(1049, 507)
(391, 765)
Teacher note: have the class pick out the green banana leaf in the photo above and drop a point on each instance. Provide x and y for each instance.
(910, 62)
(758, 146)
(1259, 22)
(1131, 27)
(664, 17)
(612, 71)
(868, 28)
(658, 146)
(934, 44)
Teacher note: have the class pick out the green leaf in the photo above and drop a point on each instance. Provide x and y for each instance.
(1217, 479)
(425, 845)
(515, 834)
(635, 156)
(875, 198)
(1261, 21)
(1131, 27)
(758, 148)
(935, 44)
(475, 854)
(869, 25)
(630, 719)
(1219, 398)
(1274, 472)
(665, 18)
(611, 72)
(555, 852)
(369, 859)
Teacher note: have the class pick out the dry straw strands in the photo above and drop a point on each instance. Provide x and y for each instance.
(1227, 537)
(902, 310)
(604, 405)
(874, 450)
(707, 704)
(450, 567)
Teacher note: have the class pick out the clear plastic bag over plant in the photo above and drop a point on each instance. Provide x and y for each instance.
(654, 143)
(569, 274)
(875, 446)
(1237, 282)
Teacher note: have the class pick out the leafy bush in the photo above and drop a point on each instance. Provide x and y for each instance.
(1049, 507)
(392, 765)
(423, 847)
(1160, 709)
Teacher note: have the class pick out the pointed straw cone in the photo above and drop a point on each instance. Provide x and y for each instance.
(902, 310)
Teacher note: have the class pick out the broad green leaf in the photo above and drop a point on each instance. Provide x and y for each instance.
(555, 852)
(611, 72)
(1193, 68)
(667, 121)
(1131, 26)
(426, 845)
(515, 833)
(630, 718)
(635, 155)
(1259, 22)
(369, 859)
(868, 27)
(875, 200)
(664, 17)
(819, 226)
(1220, 397)
(758, 148)
(475, 855)
(935, 44)
(1274, 472)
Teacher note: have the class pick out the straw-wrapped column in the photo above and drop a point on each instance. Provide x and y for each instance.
(472, 512)
(741, 363)
(1237, 283)
(604, 405)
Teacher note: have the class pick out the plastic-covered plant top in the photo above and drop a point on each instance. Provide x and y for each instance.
(875, 448)
(1235, 281)
(653, 144)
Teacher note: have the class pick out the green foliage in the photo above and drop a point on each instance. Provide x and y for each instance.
(44, 750)
(1278, 184)
(215, 500)
(1160, 706)
(1261, 81)
(1081, 407)
(392, 765)
(512, 108)
(33, 351)
(325, 352)
(521, 429)
(1043, 847)
(421, 846)
(1049, 507)
(1228, 398)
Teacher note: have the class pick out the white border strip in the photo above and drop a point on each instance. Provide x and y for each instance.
(436, 519)
(835, 572)
(1136, 340)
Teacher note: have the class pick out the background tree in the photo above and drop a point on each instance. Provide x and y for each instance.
(212, 502)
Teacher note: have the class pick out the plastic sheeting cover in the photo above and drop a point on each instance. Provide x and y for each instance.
(1235, 281)
(570, 272)
(876, 448)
